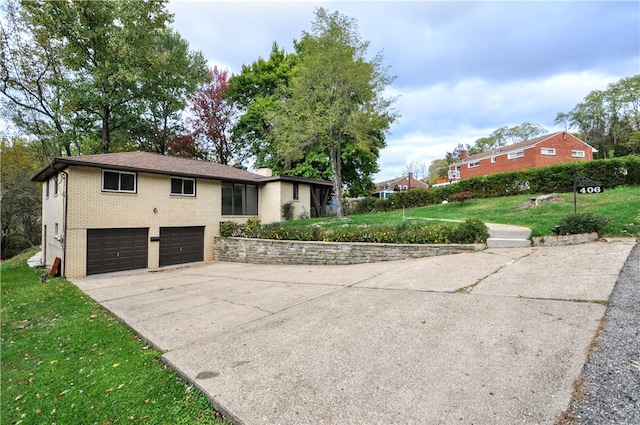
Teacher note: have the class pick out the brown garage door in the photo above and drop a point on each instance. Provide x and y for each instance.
(112, 250)
(180, 245)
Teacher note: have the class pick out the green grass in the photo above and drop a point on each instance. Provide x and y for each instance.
(66, 360)
(621, 206)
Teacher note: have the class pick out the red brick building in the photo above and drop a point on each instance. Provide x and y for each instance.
(399, 184)
(550, 149)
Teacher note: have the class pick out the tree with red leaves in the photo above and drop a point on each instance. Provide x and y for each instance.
(213, 117)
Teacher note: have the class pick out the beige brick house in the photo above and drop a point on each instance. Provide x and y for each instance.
(123, 211)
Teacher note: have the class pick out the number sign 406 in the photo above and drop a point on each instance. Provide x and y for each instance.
(591, 189)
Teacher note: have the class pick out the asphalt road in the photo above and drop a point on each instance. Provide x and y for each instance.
(611, 393)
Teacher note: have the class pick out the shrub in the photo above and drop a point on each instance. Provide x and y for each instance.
(581, 223)
(471, 231)
(460, 197)
(227, 228)
(371, 205)
(287, 210)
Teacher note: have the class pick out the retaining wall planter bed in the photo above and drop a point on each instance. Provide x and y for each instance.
(267, 251)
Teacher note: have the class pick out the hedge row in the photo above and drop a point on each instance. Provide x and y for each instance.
(551, 179)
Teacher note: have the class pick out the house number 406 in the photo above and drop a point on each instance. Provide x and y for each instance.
(591, 189)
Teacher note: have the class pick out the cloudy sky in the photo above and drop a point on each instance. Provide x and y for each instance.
(463, 69)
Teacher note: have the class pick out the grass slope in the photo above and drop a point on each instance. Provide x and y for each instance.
(66, 360)
(621, 206)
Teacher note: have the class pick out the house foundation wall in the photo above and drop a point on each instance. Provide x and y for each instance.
(263, 251)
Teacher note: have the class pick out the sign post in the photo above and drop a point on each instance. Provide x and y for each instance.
(584, 185)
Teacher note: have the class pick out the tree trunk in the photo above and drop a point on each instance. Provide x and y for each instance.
(105, 129)
(336, 168)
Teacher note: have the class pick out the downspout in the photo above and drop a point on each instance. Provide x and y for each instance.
(63, 272)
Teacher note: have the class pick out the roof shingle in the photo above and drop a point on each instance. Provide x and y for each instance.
(151, 163)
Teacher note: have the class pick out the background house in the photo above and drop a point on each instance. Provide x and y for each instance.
(123, 211)
(399, 184)
(550, 149)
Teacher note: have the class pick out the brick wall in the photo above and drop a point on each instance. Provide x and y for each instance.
(261, 251)
(562, 143)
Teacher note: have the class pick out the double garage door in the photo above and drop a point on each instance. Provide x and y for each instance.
(111, 250)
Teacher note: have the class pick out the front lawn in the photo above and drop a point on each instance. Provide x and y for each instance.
(66, 360)
(621, 206)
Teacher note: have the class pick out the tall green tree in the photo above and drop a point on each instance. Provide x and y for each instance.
(31, 71)
(504, 136)
(439, 168)
(609, 119)
(20, 199)
(335, 98)
(257, 91)
(123, 77)
(106, 46)
(176, 73)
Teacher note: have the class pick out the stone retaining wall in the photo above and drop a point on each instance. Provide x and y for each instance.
(264, 251)
(564, 239)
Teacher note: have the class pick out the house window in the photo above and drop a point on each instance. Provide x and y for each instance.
(182, 186)
(516, 154)
(239, 199)
(55, 186)
(46, 188)
(118, 181)
(296, 191)
(493, 159)
(474, 164)
(548, 151)
(577, 154)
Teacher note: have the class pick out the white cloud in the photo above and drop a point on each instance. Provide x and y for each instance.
(464, 68)
(436, 118)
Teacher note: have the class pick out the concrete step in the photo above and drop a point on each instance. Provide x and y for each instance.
(508, 243)
(503, 231)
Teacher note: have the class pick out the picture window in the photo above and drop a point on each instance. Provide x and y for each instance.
(239, 199)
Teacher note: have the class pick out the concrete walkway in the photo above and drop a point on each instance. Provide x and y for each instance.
(492, 337)
(507, 236)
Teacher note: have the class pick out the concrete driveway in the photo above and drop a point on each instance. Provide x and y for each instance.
(493, 337)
